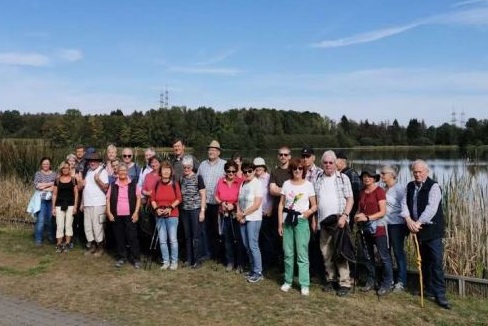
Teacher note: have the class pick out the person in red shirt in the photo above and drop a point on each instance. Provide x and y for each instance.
(370, 217)
(165, 199)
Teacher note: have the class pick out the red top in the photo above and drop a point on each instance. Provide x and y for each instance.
(226, 192)
(166, 194)
(369, 205)
(150, 181)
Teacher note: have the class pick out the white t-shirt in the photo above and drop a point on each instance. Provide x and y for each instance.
(297, 197)
(92, 194)
(328, 203)
(248, 192)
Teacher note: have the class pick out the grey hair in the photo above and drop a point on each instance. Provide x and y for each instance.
(421, 163)
(187, 160)
(122, 165)
(329, 154)
(71, 156)
(393, 170)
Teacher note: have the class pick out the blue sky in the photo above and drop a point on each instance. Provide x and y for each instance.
(366, 59)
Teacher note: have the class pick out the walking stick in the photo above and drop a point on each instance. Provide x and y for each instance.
(419, 267)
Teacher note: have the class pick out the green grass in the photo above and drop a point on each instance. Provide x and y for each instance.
(209, 296)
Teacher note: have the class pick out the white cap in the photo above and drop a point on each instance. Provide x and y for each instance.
(259, 161)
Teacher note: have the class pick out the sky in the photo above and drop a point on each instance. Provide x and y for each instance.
(374, 60)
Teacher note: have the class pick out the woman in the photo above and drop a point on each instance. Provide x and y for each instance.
(237, 159)
(397, 227)
(71, 158)
(123, 203)
(114, 164)
(250, 214)
(151, 178)
(297, 204)
(194, 199)
(226, 195)
(165, 199)
(65, 202)
(371, 210)
(44, 182)
(111, 155)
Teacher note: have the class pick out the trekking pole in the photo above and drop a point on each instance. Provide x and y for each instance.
(149, 255)
(231, 217)
(419, 267)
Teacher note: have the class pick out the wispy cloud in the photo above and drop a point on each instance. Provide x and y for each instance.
(219, 57)
(207, 71)
(468, 3)
(475, 16)
(24, 59)
(70, 55)
(366, 37)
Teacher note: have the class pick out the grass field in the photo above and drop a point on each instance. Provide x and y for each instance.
(208, 296)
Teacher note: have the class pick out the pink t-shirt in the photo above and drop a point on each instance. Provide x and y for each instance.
(226, 192)
(123, 208)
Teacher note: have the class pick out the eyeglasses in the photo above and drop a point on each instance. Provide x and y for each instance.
(327, 162)
(187, 168)
(383, 173)
(125, 156)
(230, 171)
(306, 155)
(283, 154)
(297, 168)
(247, 171)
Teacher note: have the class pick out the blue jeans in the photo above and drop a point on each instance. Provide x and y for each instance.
(250, 239)
(431, 252)
(44, 218)
(192, 227)
(167, 228)
(382, 246)
(397, 234)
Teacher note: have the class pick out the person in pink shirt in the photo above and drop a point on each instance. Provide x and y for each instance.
(123, 203)
(151, 178)
(226, 195)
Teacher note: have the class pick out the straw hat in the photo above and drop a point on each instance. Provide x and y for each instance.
(214, 144)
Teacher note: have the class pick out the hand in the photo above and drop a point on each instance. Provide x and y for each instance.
(135, 217)
(111, 217)
(280, 229)
(159, 211)
(413, 226)
(239, 216)
(81, 208)
(201, 216)
(229, 207)
(54, 212)
(314, 225)
(342, 221)
(75, 210)
(360, 217)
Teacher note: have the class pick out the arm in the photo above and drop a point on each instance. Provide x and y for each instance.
(75, 194)
(281, 205)
(274, 189)
(412, 225)
(135, 215)
(435, 197)
(203, 203)
(108, 211)
(55, 197)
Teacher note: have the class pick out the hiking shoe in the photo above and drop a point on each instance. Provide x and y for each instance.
(229, 267)
(384, 290)
(165, 266)
(70, 245)
(343, 291)
(329, 286)
(99, 252)
(119, 263)
(173, 266)
(197, 265)
(239, 269)
(368, 287)
(59, 249)
(91, 250)
(305, 291)
(137, 265)
(285, 287)
(398, 287)
(255, 277)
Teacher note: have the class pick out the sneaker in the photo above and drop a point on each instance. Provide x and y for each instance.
(255, 277)
(91, 249)
(305, 291)
(343, 291)
(173, 266)
(165, 266)
(368, 287)
(186, 264)
(197, 265)
(59, 249)
(398, 287)
(239, 269)
(384, 290)
(229, 267)
(119, 263)
(71, 245)
(137, 265)
(285, 287)
(99, 252)
(329, 286)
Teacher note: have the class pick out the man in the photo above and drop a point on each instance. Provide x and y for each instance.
(334, 197)
(148, 153)
(134, 169)
(93, 204)
(78, 228)
(308, 157)
(269, 227)
(179, 150)
(80, 158)
(356, 184)
(211, 170)
(422, 210)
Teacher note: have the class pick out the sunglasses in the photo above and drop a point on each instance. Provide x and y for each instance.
(125, 156)
(187, 168)
(297, 168)
(283, 154)
(247, 171)
(327, 162)
(230, 171)
(306, 156)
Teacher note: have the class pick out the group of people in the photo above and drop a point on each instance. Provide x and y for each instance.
(238, 213)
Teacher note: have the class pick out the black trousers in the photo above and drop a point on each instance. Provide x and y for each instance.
(211, 236)
(125, 233)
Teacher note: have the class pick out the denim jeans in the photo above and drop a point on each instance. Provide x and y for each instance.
(167, 228)
(192, 228)
(381, 243)
(397, 234)
(432, 252)
(234, 250)
(44, 218)
(250, 239)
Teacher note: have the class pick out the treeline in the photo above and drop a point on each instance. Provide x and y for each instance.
(235, 129)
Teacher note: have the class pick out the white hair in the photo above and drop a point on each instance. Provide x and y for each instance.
(187, 160)
(329, 154)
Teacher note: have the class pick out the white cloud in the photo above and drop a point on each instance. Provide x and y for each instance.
(468, 3)
(24, 59)
(206, 71)
(219, 57)
(70, 55)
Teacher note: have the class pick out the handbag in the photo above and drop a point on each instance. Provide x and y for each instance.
(330, 220)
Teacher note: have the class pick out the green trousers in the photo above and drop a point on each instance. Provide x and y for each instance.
(297, 237)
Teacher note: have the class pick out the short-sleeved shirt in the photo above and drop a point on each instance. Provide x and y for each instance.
(92, 194)
(369, 203)
(211, 172)
(297, 197)
(123, 207)
(228, 193)
(190, 191)
(394, 197)
(41, 177)
(247, 194)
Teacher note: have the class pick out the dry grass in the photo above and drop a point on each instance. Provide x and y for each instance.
(209, 296)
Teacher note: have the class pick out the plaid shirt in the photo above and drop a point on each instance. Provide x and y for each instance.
(343, 190)
(211, 172)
